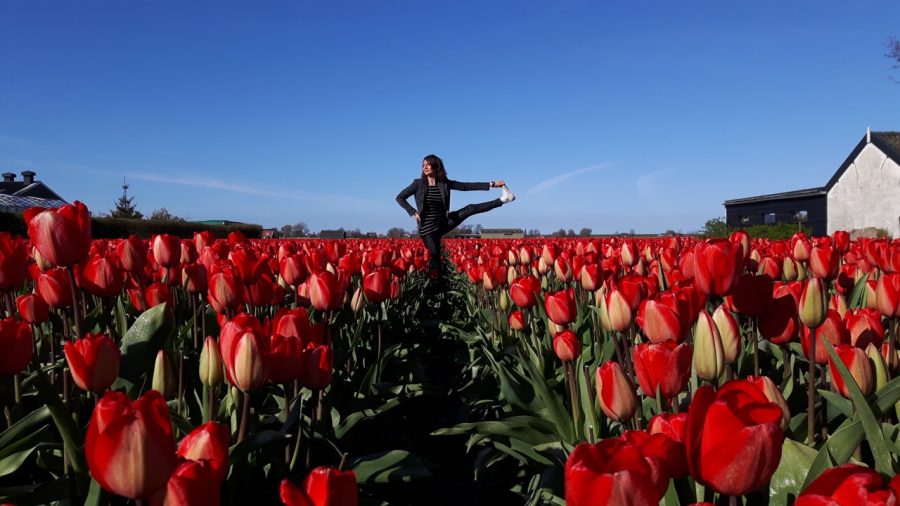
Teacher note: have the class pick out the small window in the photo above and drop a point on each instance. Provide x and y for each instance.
(801, 216)
(769, 218)
(745, 219)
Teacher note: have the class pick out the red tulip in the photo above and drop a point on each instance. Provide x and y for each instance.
(377, 285)
(324, 486)
(194, 278)
(32, 308)
(771, 391)
(293, 270)
(524, 291)
(660, 319)
(615, 392)
(823, 261)
(887, 294)
(813, 304)
(250, 266)
(245, 353)
(560, 306)
(101, 276)
(800, 247)
(207, 442)
(667, 365)
(13, 257)
(516, 320)
(751, 295)
(669, 454)
(865, 327)
(841, 241)
(849, 484)
(590, 277)
(166, 250)
(156, 294)
(225, 288)
(860, 368)
(832, 330)
(717, 266)
(129, 446)
(94, 362)
(566, 345)
(192, 482)
(325, 291)
(734, 438)
(295, 322)
(613, 472)
(317, 369)
(53, 286)
(17, 342)
(285, 359)
(62, 236)
(132, 253)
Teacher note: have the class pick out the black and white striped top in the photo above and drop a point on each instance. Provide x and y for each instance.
(434, 213)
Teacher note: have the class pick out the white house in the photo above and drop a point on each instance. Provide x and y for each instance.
(863, 192)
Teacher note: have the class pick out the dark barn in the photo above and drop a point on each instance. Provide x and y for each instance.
(808, 206)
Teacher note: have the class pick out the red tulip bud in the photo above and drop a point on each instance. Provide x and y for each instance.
(94, 362)
(566, 345)
(615, 392)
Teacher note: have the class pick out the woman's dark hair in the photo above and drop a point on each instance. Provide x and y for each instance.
(437, 165)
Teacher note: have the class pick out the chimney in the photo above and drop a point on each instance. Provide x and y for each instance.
(8, 177)
(28, 177)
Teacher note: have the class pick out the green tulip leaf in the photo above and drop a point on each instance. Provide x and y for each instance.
(28, 423)
(837, 449)
(858, 295)
(836, 401)
(887, 396)
(796, 459)
(389, 467)
(353, 418)
(144, 339)
(37, 494)
(256, 441)
(64, 422)
(883, 463)
(530, 429)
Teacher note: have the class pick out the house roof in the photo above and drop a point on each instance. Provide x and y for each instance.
(18, 203)
(34, 189)
(796, 194)
(887, 142)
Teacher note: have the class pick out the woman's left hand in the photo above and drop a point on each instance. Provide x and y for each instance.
(498, 183)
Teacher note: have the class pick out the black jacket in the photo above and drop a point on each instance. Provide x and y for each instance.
(419, 187)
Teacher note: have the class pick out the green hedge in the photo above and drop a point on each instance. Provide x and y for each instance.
(109, 228)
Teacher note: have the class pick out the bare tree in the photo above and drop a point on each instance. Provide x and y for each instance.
(893, 47)
(396, 232)
(585, 232)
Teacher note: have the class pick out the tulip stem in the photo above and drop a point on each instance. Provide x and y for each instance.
(194, 321)
(296, 454)
(180, 382)
(378, 356)
(811, 391)
(211, 408)
(733, 500)
(755, 338)
(75, 312)
(245, 414)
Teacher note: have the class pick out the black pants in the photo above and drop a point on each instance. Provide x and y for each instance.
(454, 219)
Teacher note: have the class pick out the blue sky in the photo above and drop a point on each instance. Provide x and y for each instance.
(609, 115)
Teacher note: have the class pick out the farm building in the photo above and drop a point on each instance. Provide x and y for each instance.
(502, 233)
(864, 192)
(17, 196)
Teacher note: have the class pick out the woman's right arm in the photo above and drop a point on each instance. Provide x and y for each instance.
(405, 194)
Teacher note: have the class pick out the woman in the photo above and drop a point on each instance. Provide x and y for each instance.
(432, 212)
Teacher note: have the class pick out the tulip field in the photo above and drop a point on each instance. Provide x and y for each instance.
(578, 371)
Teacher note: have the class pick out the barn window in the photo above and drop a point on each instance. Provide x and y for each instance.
(769, 218)
(801, 216)
(745, 219)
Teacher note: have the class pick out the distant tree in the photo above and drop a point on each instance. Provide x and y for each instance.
(287, 231)
(125, 207)
(715, 227)
(477, 228)
(559, 233)
(300, 229)
(163, 214)
(570, 233)
(395, 232)
(585, 232)
(893, 47)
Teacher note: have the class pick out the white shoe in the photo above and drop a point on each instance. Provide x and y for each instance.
(507, 196)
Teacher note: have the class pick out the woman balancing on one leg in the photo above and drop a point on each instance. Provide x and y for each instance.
(432, 211)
